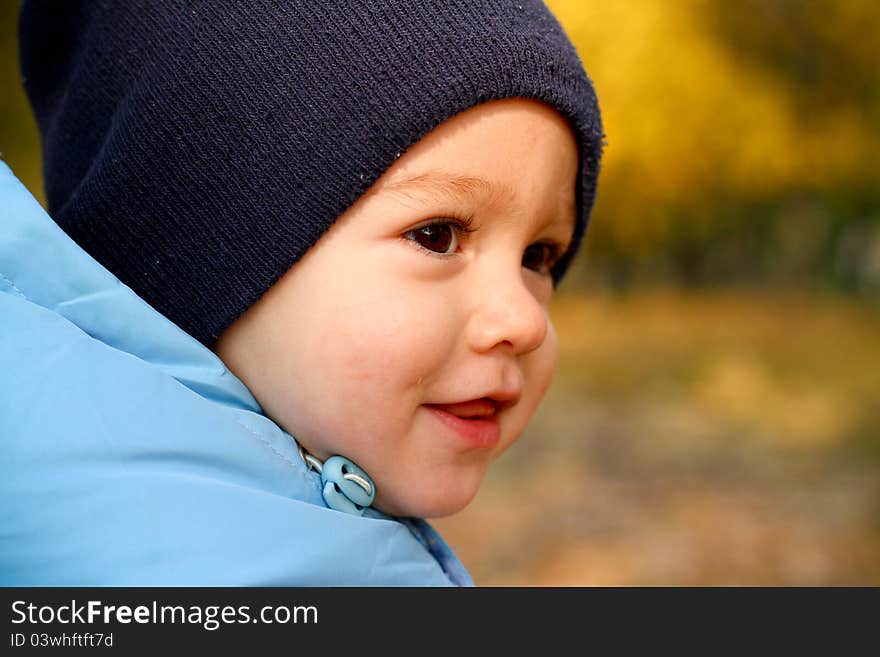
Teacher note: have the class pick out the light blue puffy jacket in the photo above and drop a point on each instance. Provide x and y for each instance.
(130, 456)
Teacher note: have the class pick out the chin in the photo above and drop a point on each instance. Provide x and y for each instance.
(430, 502)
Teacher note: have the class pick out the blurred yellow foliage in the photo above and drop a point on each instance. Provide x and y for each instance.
(691, 117)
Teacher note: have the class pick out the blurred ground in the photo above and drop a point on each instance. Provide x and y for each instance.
(723, 438)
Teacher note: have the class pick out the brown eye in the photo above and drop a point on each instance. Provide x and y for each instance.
(439, 238)
(539, 257)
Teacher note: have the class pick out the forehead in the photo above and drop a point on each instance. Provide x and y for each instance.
(514, 155)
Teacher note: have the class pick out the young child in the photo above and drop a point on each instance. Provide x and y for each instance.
(361, 208)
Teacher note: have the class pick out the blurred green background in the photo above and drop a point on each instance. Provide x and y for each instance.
(716, 414)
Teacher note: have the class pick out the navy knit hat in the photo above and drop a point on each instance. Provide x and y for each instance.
(198, 149)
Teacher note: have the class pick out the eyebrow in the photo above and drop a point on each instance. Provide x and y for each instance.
(454, 186)
(457, 186)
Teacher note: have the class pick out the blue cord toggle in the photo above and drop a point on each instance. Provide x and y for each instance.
(347, 487)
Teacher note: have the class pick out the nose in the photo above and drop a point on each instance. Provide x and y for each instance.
(507, 312)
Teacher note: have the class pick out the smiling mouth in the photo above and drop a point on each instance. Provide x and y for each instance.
(475, 409)
(477, 431)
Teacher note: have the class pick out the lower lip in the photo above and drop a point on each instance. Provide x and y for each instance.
(477, 433)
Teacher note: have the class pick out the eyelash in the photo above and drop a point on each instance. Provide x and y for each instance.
(464, 225)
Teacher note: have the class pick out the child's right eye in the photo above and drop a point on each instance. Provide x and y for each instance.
(440, 237)
(436, 237)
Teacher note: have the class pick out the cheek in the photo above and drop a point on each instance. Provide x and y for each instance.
(384, 347)
(539, 367)
(365, 361)
(542, 369)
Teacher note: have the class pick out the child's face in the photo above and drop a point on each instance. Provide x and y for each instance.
(383, 318)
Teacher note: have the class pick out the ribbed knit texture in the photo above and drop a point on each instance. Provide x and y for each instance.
(198, 149)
